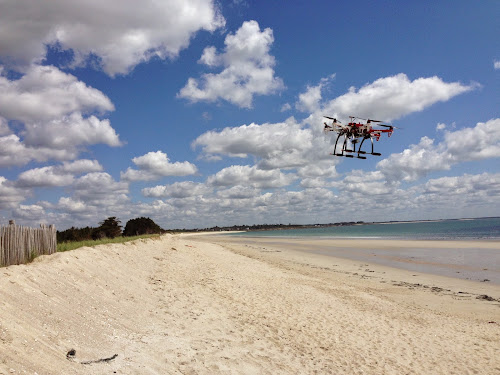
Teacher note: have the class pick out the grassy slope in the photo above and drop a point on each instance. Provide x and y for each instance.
(65, 246)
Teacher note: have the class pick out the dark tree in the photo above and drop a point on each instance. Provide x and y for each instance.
(141, 225)
(75, 234)
(109, 228)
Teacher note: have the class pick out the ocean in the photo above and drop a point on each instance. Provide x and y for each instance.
(461, 229)
(471, 262)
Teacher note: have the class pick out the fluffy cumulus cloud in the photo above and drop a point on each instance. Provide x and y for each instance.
(496, 64)
(309, 101)
(238, 192)
(61, 175)
(100, 189)
(52, 107)
(259, 140)
(246, 175)
(13, 152)
(248, 69)
(32, 212)
(392, 97)
(118, 32)
(465, 195)
(177, 190)
(71, 131)
(10, 195)
(71, 206)
(4, 126)
(281, 145)
(155, 165)
(474, 143)
(479, 142)
(466, 187)
(46, 93)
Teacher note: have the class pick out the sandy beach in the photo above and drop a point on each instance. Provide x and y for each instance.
(205, 304)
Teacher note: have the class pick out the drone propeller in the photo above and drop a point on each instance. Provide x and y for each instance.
(368, 120)
(330, 118)
(390, 126)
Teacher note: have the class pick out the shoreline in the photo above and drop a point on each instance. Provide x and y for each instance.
(198, 304)
(476, 260)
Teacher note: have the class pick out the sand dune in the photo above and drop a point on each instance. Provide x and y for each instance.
(189, 305)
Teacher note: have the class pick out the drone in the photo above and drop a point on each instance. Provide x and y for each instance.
(354, 132)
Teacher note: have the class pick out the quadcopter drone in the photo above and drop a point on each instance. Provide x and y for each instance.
(355, 131)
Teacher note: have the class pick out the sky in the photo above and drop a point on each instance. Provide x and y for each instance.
(201, 113)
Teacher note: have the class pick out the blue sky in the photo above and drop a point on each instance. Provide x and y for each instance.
(199, 113)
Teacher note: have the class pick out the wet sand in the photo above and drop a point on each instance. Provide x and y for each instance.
(204, 305)
(476, 260)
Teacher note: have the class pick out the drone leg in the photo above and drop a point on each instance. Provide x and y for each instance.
(335, 148)
(344, 148)
(359, 150)
(374, 153)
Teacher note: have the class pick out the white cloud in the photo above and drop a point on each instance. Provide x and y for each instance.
(14, 152)
(248, 69)
(280, 145)
(4, 127)
(51, 104)
(260, 140)
(45, 93)
(392, 97)
(71, 206)
(155, 165)
(177, 190)
(61, 175)
(250, 176)
(31, 212)
(285, 107)
(496, 64)
(10, 196)
(238, 192)
(415, 162)
(309, 101)
(477, 143)
(82, 166)
(99, 189)
(466, 186)
(121, 33)
(460, 196)
(440, 126)
(45, 176)
(71, 131)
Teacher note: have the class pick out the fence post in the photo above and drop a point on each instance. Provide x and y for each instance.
(18, 244)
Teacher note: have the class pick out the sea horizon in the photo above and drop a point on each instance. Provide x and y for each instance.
(484, 228)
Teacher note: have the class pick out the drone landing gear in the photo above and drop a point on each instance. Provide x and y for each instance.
(350, 153)
(364, 152)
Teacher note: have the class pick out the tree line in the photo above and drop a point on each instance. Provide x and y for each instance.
(110, 228)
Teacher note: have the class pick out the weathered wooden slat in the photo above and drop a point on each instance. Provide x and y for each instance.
(19, 244)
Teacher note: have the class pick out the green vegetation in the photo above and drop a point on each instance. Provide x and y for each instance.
(108, 231)
(110, 228)
(65, 246)
(141, 225)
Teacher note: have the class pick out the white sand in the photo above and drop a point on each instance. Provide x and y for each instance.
(182, 305)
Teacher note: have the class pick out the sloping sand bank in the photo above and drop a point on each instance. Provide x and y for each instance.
(186, 305)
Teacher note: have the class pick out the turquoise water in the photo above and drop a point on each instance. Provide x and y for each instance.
(486, 228)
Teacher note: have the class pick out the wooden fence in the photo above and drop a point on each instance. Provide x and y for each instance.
(19, 245)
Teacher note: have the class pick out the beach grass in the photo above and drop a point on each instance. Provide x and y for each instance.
(66, 246)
